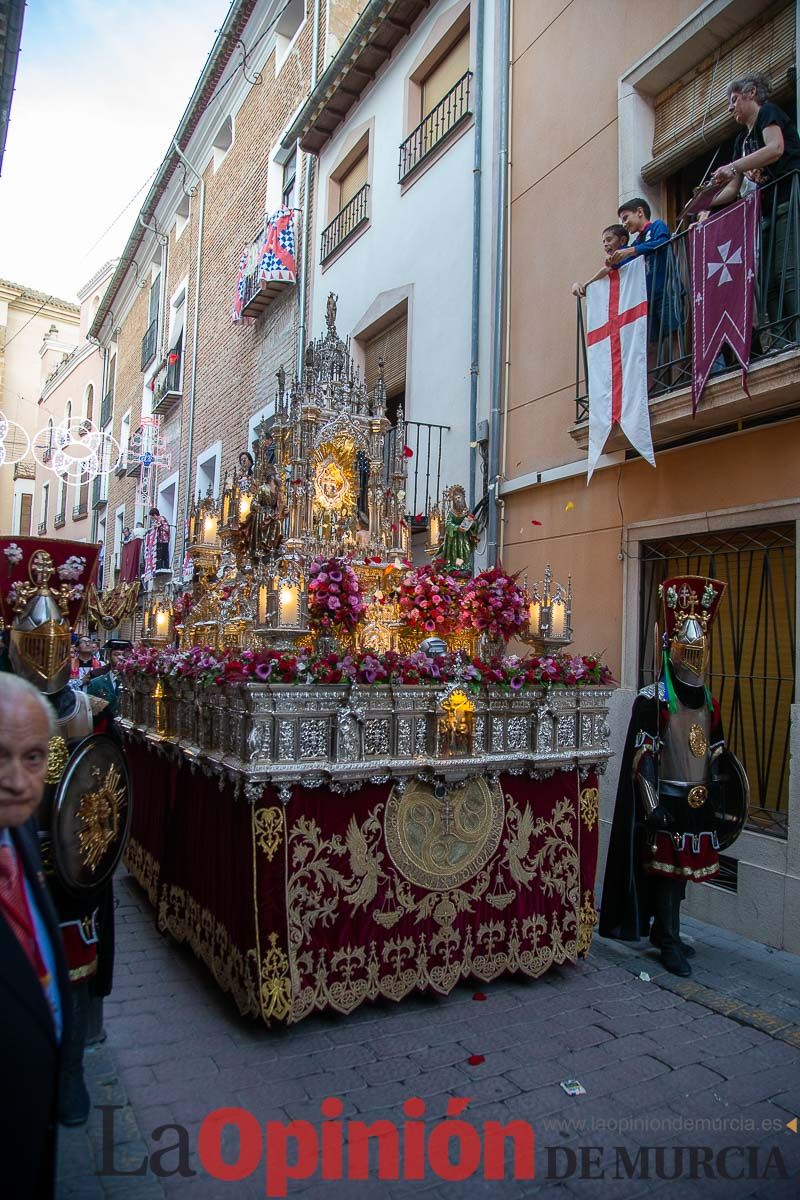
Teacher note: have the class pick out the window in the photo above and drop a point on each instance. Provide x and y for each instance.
(223, 142)
(45, 504)
(124, 438)
(24, 511)
(291, 18)
(389, 346)
(208, 465)
(288, 192)
(439, 95)
(68, 412)
(177, 317)
(267, 413)
(119, 526)
(89, 402)
(182, 214)
(353, 181)
(167, 504)
(444, 76)
(348, 190)
(691, 115)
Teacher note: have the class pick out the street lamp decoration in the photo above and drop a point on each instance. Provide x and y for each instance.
(549, 613)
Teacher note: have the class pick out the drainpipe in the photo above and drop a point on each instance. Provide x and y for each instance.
(309, 165)
(501, 234)
(187, 501)
(477, 177)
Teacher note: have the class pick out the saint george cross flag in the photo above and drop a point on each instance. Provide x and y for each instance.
(616, 342)
(723, 253)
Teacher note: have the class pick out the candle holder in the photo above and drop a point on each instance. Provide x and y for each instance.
(158, 627)
(282, 607)
(549, 614)
(204, 547)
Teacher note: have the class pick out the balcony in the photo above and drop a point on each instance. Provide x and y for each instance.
(122, 466)
(352, 217)
(169, 384)
(42, 528)
(25, 470)
(424, 479)
(61, 519)
(99, 491)
(774, 376)
(107, 409)
(436, 128)
(80, 511)
(149, 344)
(47, 453)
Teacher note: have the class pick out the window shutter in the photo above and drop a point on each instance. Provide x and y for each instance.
(692, 114)
(25, 509)
(353, 181)
(391, 347)
(446, 75)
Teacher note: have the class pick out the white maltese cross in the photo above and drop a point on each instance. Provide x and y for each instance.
(726, 258)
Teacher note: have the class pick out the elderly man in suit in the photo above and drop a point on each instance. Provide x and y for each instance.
(34, 986)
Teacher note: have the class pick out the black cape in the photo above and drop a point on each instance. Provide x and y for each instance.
(626, 905)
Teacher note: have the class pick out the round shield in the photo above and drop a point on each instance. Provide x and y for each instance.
(730, 796)
(91, 813)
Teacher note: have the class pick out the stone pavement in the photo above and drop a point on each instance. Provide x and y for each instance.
(662, 1066)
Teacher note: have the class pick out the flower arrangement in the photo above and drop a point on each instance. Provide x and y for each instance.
(430, 599)
(335, 600)
(219, 668)
(13, 553)
(183, 605)
(494, 604)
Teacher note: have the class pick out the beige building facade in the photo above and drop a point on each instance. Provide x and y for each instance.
(37, 333)
(642, 115)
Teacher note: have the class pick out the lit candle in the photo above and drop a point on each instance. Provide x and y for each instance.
(558, 620)
(245, 501)
(533, 616)
(290, 604)
(210, 529)
(262, 604)
(162, 620)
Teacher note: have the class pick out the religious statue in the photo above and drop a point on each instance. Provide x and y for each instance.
(330, 312)
(264, 532)
(460, 534)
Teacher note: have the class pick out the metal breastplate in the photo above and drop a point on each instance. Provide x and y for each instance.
(684, 753)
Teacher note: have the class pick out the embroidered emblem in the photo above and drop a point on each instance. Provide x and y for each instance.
(698, 743)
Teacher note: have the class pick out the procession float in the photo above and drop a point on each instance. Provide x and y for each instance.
(345, 788)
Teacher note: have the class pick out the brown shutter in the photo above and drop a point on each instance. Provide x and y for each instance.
(445, 75)
(391, 347)
(25, 508)
(353, 181)
(692, 114)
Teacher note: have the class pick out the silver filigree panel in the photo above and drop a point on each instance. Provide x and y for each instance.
(313, 739)
(376, 738)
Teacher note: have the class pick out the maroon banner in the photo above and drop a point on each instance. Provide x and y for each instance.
(723, 254)
(129, 561)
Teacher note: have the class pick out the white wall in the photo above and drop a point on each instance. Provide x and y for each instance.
(420, 238)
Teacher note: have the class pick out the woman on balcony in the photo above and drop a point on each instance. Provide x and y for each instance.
(768, 148)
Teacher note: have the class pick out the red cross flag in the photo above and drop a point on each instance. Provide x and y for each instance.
(616, 341)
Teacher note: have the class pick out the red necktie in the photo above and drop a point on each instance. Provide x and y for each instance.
(14, 906)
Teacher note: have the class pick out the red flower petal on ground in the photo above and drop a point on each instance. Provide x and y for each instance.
(536, 522)
(475, 1060)
(479, 996)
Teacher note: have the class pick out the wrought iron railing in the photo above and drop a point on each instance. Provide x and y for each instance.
(25, 470)
(777, 300)
(80, 510)
(149, 344)
(61, 519)
(424, 465)
(345, 223)
(107, 408)
(42, 528)
(99, 495)
(434, 128)
(172, 378)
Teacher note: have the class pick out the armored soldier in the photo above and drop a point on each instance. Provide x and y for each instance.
(682, 796)
(85, 813)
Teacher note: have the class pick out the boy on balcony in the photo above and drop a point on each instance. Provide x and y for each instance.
(615, 238)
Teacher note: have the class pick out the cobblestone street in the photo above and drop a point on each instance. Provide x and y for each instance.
(648, 1053)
